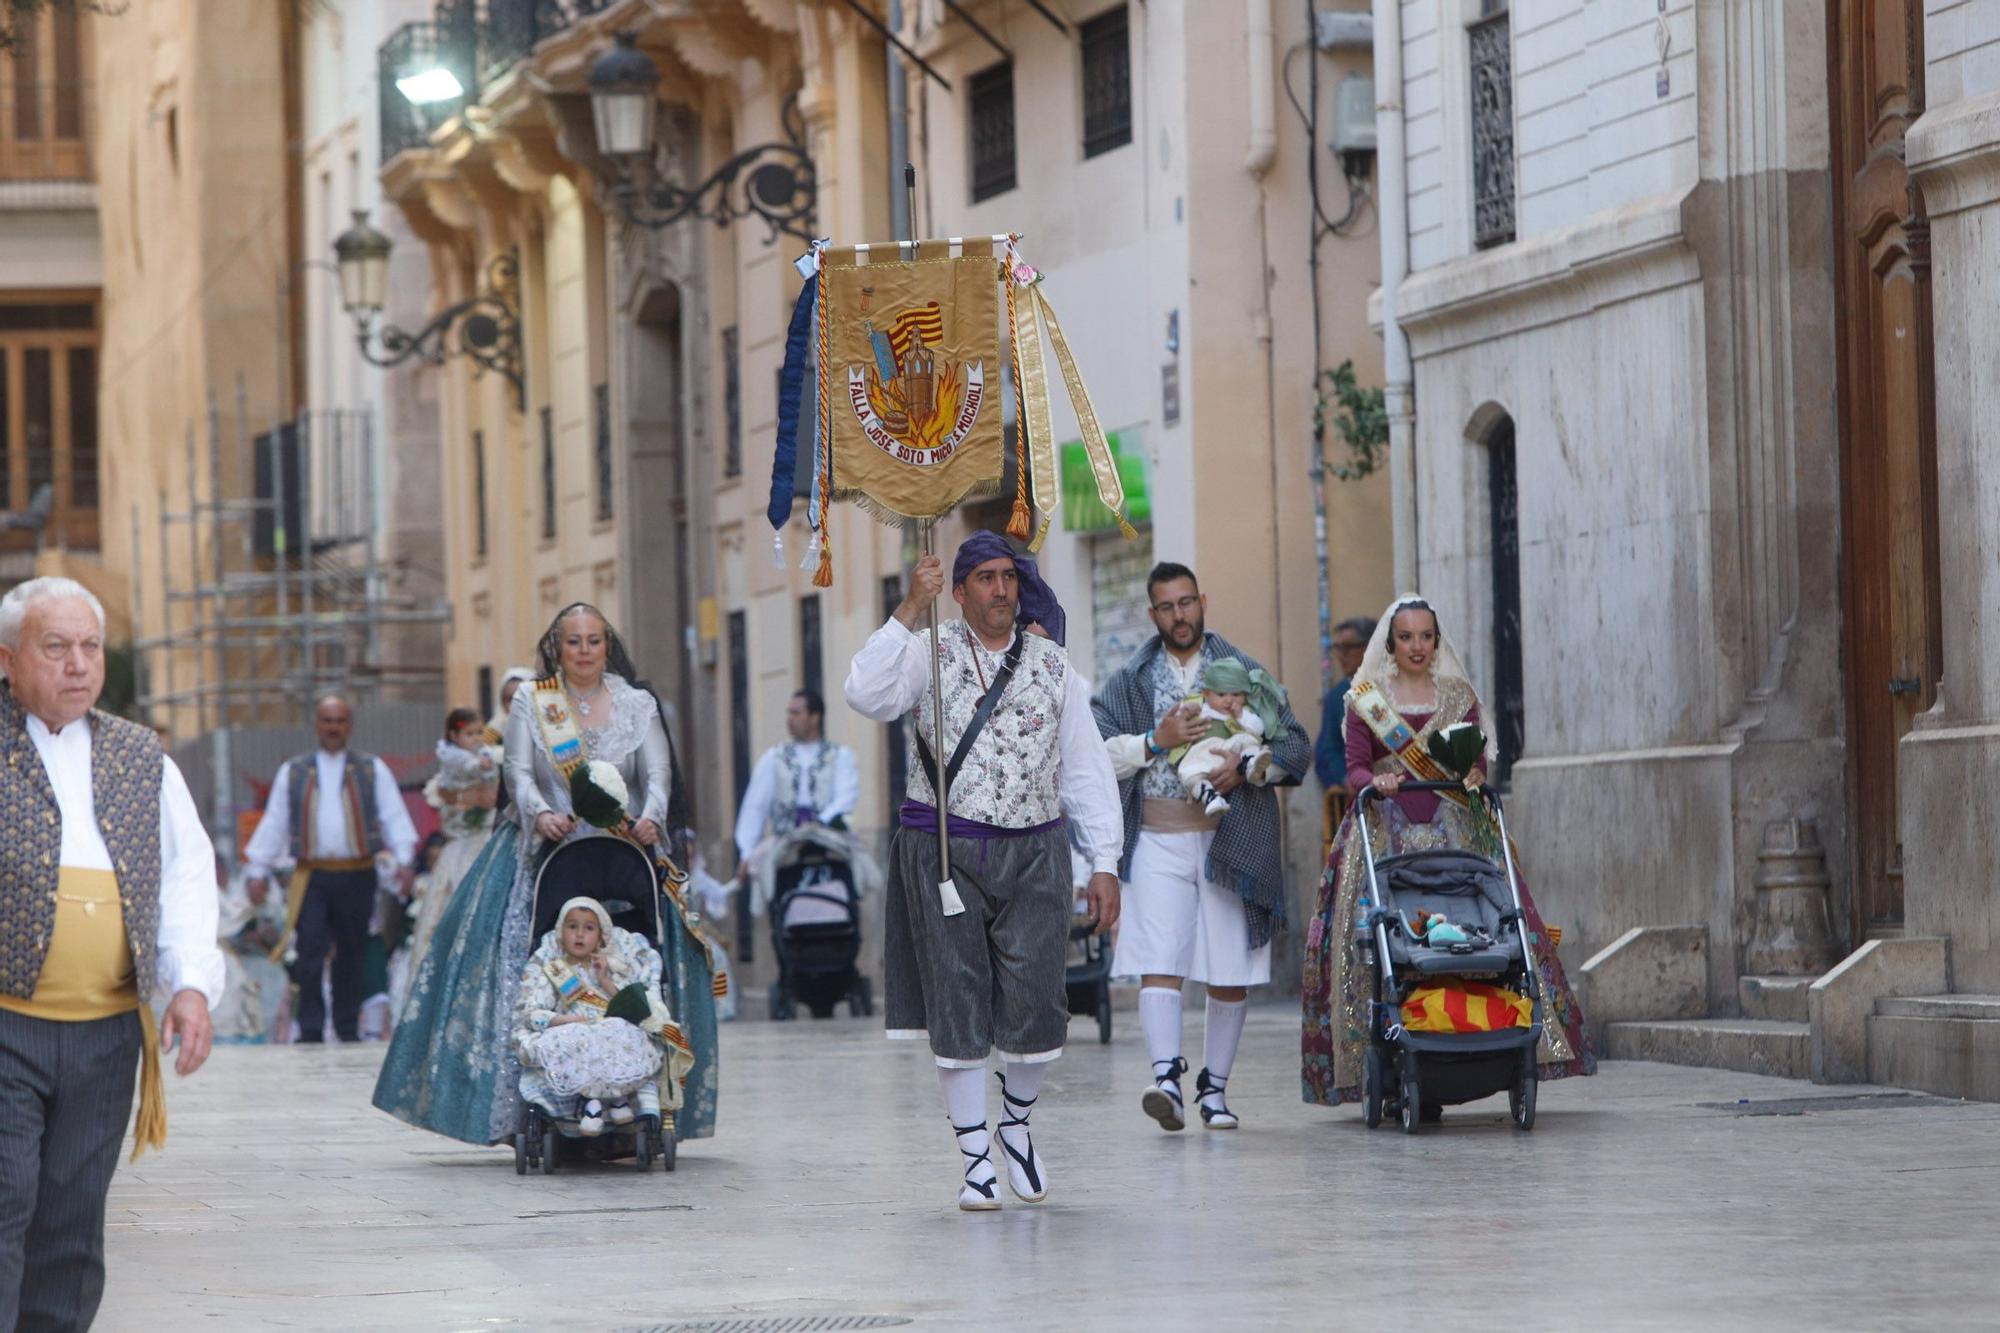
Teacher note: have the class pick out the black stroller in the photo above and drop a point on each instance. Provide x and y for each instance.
(1409, 1074)
(1087, 976)
(816, 934)
(626, 880)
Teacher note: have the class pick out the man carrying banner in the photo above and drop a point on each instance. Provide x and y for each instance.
(1020, 750)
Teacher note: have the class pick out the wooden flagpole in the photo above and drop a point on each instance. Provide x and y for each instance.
(938, 779)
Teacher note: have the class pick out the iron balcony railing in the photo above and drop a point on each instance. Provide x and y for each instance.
(479, 41)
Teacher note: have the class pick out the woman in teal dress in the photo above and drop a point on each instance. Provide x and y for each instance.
(451, 1067)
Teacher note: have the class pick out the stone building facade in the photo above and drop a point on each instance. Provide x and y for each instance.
(1681, 457)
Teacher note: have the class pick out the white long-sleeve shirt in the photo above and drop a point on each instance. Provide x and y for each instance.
(756, 813)
(271, 844)
(189, 958)
(891, 674)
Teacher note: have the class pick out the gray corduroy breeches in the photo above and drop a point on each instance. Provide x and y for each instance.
(992, 977)
(65, 1099)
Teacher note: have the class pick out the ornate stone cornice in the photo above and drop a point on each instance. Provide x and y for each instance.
(1613, 256)
(1953, 153)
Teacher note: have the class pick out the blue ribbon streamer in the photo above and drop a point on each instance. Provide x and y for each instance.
(784, 460)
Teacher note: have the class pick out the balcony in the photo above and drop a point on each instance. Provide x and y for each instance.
(476, 42)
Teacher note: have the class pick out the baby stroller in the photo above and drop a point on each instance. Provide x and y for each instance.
(623, 877)
(816, 927)
(1087, 976)
(1407, 1073)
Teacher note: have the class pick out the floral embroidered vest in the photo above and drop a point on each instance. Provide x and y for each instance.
(1012, 775)
(125, 775)
(799, 786)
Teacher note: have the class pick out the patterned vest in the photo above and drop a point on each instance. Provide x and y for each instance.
(358, 778)
(796, 786)
(1012, 776)
(125, 773)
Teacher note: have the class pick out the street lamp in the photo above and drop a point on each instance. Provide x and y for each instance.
(623, 84)
(772, 181)
(486, 327)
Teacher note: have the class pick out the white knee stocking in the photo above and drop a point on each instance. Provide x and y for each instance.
(1019, 1087)
(1224, 1030)
(965, 1106)
(1160, 1016)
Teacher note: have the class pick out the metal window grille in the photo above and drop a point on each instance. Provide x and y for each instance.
(812, 665)
(732, 405)
(548, 474)
(1492, 126)
(1107, 82)
(601, 401)
(991, 114)
(739, 703)
(83, 427)
(479, 494)
(486, 691)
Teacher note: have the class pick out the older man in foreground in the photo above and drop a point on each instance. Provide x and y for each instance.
(107, 892)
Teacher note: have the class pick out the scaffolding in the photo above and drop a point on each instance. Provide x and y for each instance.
(283, 597)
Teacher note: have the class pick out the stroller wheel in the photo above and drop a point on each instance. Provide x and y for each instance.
(1521, 1100)
(520, 1153)
(1413, 1102)
(667, 1146)
(1373, 1076)
(1104, 1016)
(550, 1140)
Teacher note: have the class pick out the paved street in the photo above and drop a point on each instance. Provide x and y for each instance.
(285, 1201)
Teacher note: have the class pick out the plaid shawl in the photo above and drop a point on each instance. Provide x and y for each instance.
(1247, 851)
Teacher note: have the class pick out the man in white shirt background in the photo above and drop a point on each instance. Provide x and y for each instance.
(332, 815)
(807, 780)
(107, 897)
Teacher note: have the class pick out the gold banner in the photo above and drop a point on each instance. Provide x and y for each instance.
(1038, 418)
(914, 343)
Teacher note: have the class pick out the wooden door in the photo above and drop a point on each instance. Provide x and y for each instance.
(1889, 547)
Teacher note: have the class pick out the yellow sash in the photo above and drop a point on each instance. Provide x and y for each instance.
(88, 974)
(1397, 736)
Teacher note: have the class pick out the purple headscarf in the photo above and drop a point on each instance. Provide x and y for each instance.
(1038, 601)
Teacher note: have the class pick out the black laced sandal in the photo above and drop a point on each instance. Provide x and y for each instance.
(1162, 1100)
(1024, 1170)
(1219, 1116)
(976, 1196)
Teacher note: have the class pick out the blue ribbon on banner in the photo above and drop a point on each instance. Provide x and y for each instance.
(785, 459)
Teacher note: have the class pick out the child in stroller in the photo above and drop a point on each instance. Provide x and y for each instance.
(576, 1063)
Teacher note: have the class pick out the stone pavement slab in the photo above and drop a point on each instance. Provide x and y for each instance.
(1652, 1197)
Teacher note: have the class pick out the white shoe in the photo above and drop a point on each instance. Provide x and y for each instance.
(1256, 766)
(1212, 801)
(591, 1123)
(1025, 1175)
(1215, 1112)
(1162, 1097)
(620, 1113)
(980, 1191)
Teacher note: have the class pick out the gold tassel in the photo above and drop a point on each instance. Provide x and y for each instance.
(1041, 535)
(823, 576)
(1021, 524)
(149, 1127)
(1130, 533)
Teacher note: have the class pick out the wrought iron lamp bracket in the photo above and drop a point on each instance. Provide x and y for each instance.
(485, 328)
(774, 182)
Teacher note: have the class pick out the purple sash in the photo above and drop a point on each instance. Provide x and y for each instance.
(921, 818)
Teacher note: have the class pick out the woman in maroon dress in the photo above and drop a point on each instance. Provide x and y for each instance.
(1411, 685)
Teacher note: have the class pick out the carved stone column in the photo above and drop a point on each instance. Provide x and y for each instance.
(1790, 938)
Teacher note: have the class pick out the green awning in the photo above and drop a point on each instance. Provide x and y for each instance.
(1082, 511)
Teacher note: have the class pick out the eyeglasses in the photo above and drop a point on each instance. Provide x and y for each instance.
(1185, 605)
(58, 650)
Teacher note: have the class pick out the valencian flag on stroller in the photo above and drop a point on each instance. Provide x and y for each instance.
(896, 363)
